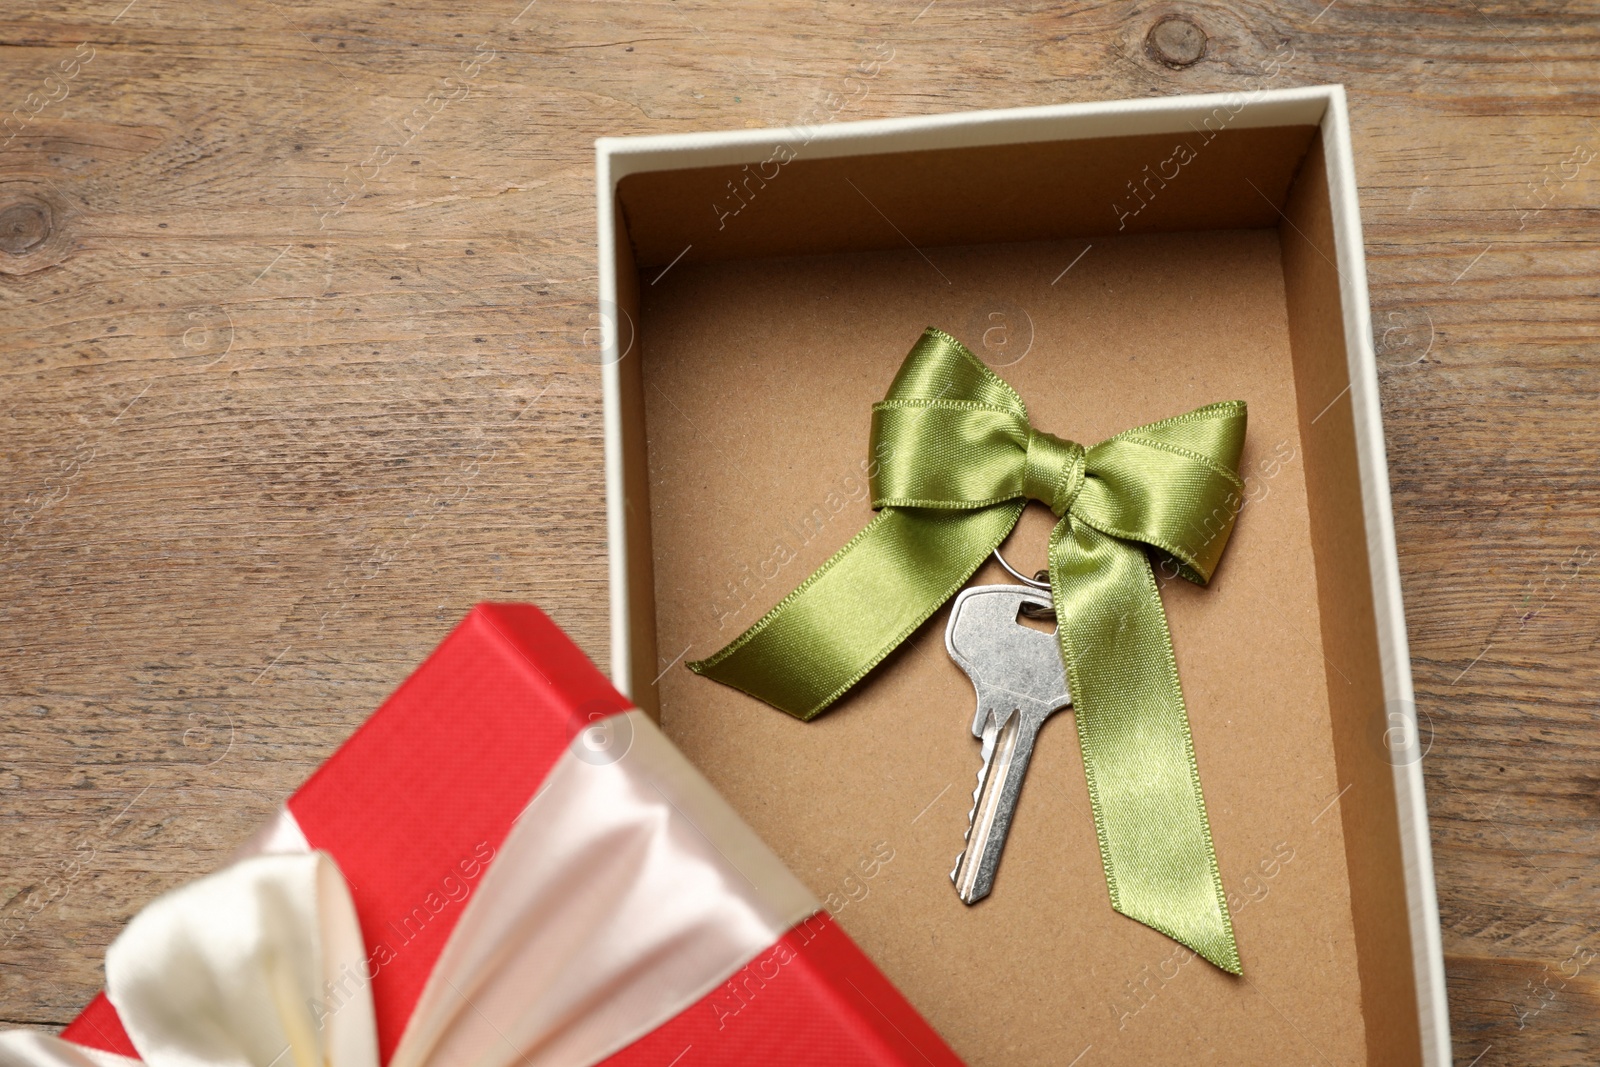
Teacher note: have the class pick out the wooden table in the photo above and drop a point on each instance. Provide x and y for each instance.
(292, 340)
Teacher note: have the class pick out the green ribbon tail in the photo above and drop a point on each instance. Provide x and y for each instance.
(1138, 756)
(843, 620)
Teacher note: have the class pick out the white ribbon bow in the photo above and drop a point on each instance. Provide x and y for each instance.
(233, 970)
(624, 893)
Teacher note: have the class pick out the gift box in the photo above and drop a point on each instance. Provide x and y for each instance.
(540, 878)
(1117, 263)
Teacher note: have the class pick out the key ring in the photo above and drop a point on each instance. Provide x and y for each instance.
(1032, 611)
(1037, 581)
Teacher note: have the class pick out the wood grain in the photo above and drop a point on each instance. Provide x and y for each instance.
(293, 310)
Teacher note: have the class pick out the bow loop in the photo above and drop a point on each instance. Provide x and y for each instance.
(1171, 485)
(945, 454)
(940, 368)
(233, 970)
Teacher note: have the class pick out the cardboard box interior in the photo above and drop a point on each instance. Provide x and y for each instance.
(1113, 282)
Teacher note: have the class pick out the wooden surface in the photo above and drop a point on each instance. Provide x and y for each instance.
(294, 303)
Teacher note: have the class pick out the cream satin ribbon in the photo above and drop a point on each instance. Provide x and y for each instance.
(625, 892)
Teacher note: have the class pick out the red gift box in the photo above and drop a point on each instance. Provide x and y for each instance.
(416, 807)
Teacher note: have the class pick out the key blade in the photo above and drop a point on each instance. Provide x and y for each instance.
(974, 871)
(989, 733)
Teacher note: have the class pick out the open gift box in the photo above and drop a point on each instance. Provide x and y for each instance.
(1117, 263)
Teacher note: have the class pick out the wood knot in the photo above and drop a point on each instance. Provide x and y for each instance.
(32, 231)
(24, 224)
(1176, 41)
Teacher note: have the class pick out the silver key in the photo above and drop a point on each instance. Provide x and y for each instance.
(1020, 681)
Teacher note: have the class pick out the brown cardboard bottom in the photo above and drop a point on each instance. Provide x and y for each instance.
(757, 381)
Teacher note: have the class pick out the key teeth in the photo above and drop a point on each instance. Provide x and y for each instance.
(977, 794)
(972, 813)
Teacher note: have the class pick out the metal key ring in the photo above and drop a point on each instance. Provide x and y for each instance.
(1032, 611)
(1035, 582)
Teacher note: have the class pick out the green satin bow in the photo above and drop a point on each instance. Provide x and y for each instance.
(955, 462)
